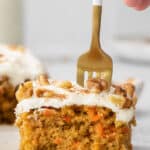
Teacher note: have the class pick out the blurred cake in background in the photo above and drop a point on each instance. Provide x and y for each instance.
(61, 115)
(16, 66)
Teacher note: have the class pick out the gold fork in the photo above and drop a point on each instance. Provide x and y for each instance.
(95, 61)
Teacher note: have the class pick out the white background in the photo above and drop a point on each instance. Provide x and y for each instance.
(63, 26)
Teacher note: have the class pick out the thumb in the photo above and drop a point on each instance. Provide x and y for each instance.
(131, 3)
(142, 4)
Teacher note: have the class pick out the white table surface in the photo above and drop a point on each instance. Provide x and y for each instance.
(9, 138)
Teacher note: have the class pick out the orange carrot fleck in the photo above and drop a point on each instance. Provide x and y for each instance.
(67, 119)
(99, 129)
(58, 141)
(95, 118)
(92, 112)
(75, 145)
(49, 112)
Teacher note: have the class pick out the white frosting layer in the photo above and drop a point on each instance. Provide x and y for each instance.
(18, 65)
(139, 86)
(75, 98)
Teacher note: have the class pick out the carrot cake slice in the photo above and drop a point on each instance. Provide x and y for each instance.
(61, 115)
(16, 66)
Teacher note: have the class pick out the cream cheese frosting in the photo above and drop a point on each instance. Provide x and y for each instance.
(18, 65)
(75, 98)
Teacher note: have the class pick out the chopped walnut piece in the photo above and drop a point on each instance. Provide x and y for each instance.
(119, 90)
(76, 90)
(130, 89)
(43, 80)
(64, 84)
(44, 93)
(127, 90)
(97, 85)
(117, 100)
(25, 90)
(128, 103)
(131, 80)
(48, 94)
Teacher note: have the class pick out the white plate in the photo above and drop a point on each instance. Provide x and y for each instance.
(9, 138)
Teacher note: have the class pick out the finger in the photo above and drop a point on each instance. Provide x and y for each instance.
(148, 1)
(142, 4)
(140, 8)
(131, 3)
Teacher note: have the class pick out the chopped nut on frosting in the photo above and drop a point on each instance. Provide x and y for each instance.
(25, 91)
(43, 80)
(128, 103)
(46, 92)
(119, 90)
(64, 84)
(130, 89)
(97, 85)
(117, 100)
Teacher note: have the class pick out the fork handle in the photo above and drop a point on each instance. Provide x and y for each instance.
(96, 23)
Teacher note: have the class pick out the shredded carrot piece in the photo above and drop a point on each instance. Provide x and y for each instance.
(49, 112)
(67, 119)
(95, 118)
(99, 129)
(34, 142)
(58, 141)
(75, 145)
(92, 112)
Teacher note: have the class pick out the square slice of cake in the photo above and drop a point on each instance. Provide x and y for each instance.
(61, 115)
(16, 66)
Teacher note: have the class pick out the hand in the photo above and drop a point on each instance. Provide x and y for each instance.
(138, 4)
